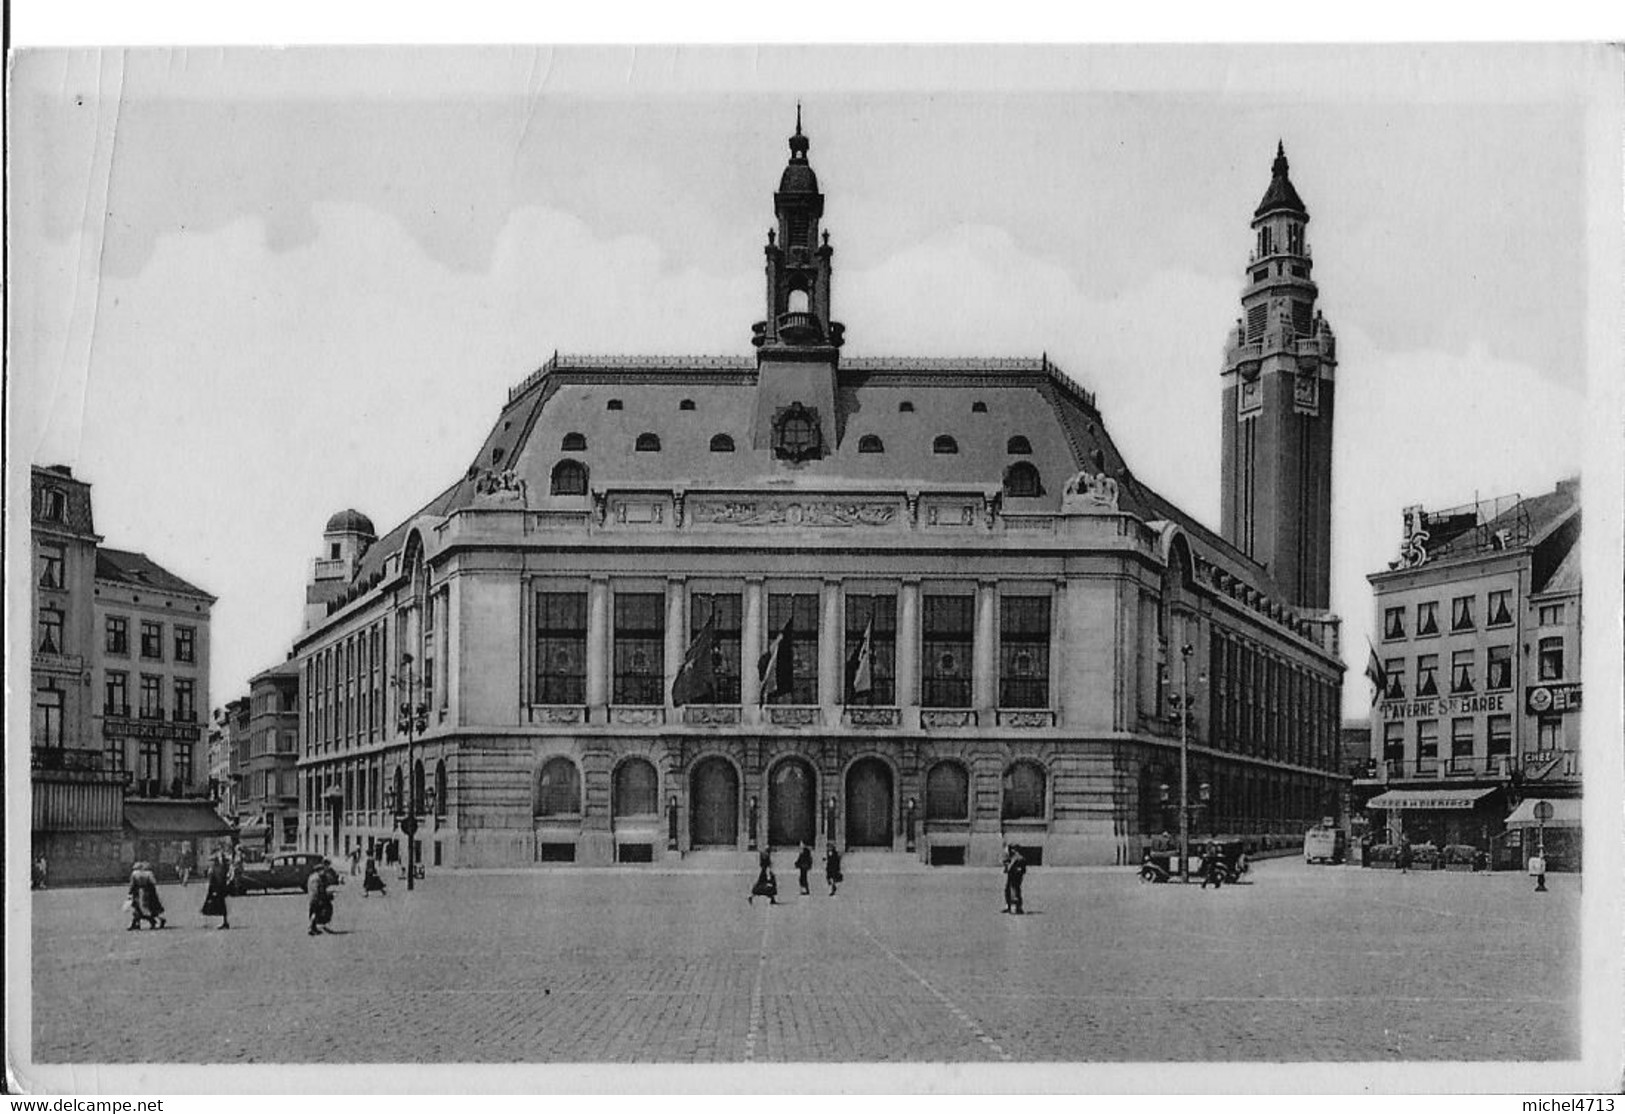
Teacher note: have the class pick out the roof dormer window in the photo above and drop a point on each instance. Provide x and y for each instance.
(614, 404)
(569, 478)
(869, 443)
(978, 407)
(722, 443)
(905, 407)
(574, 443)
(944, 444)
(648, 443)
(1019, 446)
(686, 404)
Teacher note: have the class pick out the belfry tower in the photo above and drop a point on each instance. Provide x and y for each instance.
(1278, 393)
(797, 346)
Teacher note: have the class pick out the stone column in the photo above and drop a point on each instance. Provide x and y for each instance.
(750, 648)
(908, 653)
(984, 675)
(831, 651)
(598, 646)
(676, 631)
(1057, 647)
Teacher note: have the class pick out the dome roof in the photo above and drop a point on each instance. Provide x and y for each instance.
(798, 177)
(350, 522)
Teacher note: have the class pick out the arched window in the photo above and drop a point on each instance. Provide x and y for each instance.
(614, 404)
(944, 444)
(574, 443)
(417, 787)
(648, 443)
(440, 788)
(978, 407)
(569, 478)
(905, 407)
(798, 302)
(722, 443)
(1024, 791)
(686, 404)
(869, 443)
(1019, 446)
(947, 792)
(1021, 481)
(397, 798)
(558, 789)
(636, 789)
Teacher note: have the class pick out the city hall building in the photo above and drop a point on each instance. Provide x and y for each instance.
(914, 606)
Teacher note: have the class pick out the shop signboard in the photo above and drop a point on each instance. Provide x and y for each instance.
(1541, 699)
(1438, 707)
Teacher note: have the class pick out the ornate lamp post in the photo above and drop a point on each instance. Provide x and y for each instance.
(414, 720)
(1181, 704)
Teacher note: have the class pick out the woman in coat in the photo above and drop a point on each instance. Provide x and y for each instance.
(372, 882)
(803, 865)
(832, 868)
(767, 885)
(214, 902)
(144, 902)
(321, 897)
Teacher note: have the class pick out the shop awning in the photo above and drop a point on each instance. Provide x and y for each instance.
(1422, 800)
(1565, 814)
(173, 819)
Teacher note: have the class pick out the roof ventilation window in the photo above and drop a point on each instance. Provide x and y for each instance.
(686, 404)
(722, 443)
(569, 478)
(648, 443)
(944, 444)
(869, 443)
(574, 443)
(978, 407)
(905, 407)
(614, 404)
(496, 455)
(1019, 446)
(1021, 481)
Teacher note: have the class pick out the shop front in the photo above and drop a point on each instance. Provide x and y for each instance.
(1444, 817)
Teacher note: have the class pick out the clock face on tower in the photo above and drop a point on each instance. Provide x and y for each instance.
(1306, 394)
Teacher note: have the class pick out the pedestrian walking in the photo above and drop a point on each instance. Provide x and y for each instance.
(355, 862)
(372, 882)
(1212, 867)
(144, 903)
(322, 881)
(767, 885)
(832, 868)
(39, 872)
(804, 863)
(1015, 872)
(1403, 856)
(187, 866)
(214, 901)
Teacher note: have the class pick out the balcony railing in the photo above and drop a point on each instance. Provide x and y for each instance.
(117, 711)
(151, 713)
(1495, 765)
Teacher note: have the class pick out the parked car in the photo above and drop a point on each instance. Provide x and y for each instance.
(279, 872)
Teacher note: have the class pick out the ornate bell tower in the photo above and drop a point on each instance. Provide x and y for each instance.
(1278, 393)
(797, 346)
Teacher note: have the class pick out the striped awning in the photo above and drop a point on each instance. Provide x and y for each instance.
(1423, 800)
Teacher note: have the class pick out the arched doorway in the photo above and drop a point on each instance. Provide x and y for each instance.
(869, 804)
(792, 804)
(714, 804)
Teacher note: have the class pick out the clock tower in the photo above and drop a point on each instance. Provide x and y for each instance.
(1278, 395)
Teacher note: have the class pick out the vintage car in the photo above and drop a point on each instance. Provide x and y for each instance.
(278, 872)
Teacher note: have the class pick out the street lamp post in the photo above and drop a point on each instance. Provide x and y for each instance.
(1185, 652)
(414, 719)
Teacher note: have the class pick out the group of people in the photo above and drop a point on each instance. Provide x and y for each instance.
(144, 904)
(767, 883)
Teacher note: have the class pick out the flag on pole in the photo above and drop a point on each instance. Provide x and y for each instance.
(1376, 673)
(860, 667)
(776, 669)
(697, 679)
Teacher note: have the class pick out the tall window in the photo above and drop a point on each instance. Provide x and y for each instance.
(1461, 672)
(1498, 671)
(725, 609)
(185, 644)
(149, 766)
(561, 647)
(1393, 622)
(185, 708)
(152, 640)
(116, 693)
(1500, 735)
(636, 789)
(878, 616)
(558, 789)
(1461, 613)
(118, 634)
(1549, 733)
(947, 792)
(1427, 675)
(640, 650)
(152, 696)
(1393, 741)
(1427, 741)
(51, 561)
(946, 640)
(1395, 670)
(50, 630)
(441, 790)
(1024, 652)
(183, 767)
(1023, 792)
(1461, 738)
(431, 644)
(48, 718)
(1551, 659)
(1498, 608)
(113, 756)
(1427, 619)
(803, 642)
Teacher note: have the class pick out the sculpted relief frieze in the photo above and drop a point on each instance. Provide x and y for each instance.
(793, 513)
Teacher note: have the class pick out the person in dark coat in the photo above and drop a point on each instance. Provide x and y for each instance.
(372, 882)
(187, 866)
(1212, 867)
(322, 882)
(1015, 872)
(832, 868)
(145, 904)
(767, 885)
(804, 863)
(214, 902)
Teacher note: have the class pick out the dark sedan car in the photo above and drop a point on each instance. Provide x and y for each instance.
(279, 872)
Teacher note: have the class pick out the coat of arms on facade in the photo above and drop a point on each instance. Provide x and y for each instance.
(796, 434)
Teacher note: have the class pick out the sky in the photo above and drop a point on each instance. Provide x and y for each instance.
(250, 288)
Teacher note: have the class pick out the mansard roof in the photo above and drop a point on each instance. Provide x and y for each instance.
(137, 570)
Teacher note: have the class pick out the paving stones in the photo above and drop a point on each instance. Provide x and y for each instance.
(1305, 963)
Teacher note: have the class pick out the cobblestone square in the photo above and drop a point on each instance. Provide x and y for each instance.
(628, 965)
